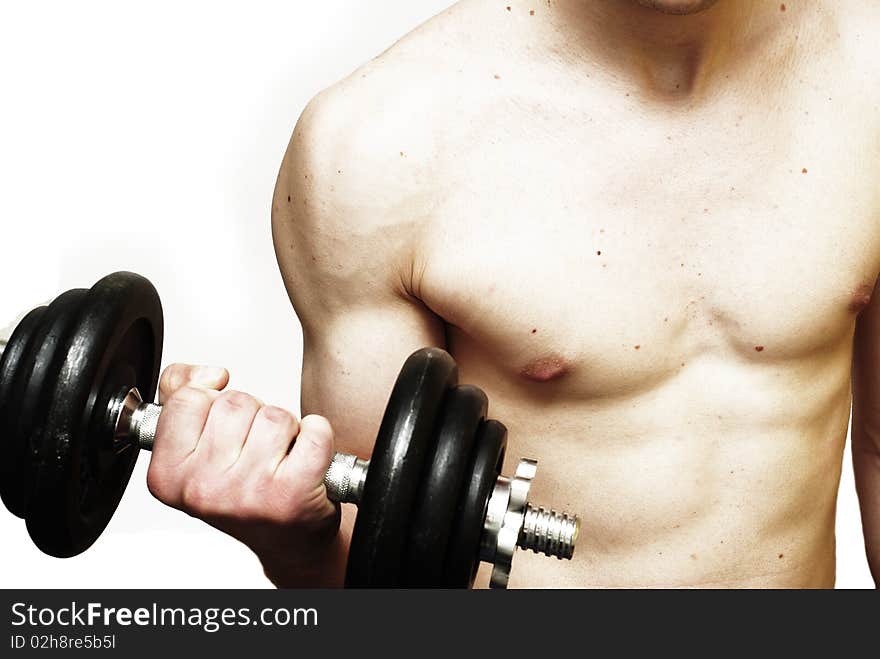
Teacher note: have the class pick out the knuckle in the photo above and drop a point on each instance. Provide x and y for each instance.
(236, 401)
(198, 495)
(159, 485)
(276, 416)
(155, 484)
(174, 377)
(189, 398)
(318, 429)
(314, 440)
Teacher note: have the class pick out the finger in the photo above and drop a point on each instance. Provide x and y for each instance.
(181, 423)
(310, 456)
(176, 376)
(268, 442)
(228, 425)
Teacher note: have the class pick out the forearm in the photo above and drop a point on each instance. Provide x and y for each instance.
(322, 568)
(866, 463)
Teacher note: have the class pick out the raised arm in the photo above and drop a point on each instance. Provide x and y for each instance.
(346, 240)
(866, 427)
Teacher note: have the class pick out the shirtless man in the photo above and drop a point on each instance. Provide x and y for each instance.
(648, 229)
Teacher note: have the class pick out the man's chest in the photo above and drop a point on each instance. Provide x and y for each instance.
(634, 248)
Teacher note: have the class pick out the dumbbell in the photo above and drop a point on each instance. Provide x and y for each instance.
(76, 381)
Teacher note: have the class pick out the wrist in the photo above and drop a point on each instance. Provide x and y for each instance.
(321, 567)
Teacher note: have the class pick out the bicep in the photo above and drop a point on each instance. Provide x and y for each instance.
(349, 367)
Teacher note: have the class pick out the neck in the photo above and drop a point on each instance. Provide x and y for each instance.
(663, 54)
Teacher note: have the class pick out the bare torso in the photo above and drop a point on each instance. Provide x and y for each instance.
(658, 292)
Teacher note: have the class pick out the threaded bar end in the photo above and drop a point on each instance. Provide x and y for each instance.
(549, 532)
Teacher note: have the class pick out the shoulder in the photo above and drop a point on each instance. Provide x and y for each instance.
(362, 164)
(383, 130)
(369, 152)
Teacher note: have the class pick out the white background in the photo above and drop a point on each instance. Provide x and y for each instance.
(147, 137)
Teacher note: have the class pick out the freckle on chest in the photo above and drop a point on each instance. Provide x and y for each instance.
(860, 298)
(545, 369)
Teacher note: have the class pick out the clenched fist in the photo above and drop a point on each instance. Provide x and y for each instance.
(248, 469)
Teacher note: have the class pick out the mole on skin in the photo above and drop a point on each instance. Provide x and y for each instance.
(545, 369)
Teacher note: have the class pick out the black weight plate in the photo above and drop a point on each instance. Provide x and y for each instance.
(116, 344)
(408, 428)
(29, 397)
(445, 471)
(15, 472)
(463, 555)
(41, 363)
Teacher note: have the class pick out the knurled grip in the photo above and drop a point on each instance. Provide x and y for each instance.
(144, 422)
(345, 478)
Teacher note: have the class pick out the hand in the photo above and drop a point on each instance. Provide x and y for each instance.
(248, 469)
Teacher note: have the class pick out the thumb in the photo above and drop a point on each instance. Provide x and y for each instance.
(177, 376)
(311, 453)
